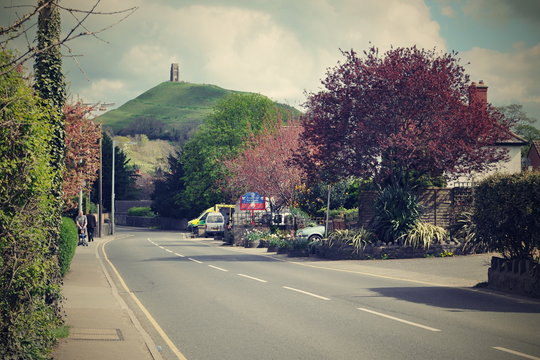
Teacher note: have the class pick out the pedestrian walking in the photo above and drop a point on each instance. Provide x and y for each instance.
(91, 225)
(82, 222)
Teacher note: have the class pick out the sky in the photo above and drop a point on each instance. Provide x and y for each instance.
(283, 48)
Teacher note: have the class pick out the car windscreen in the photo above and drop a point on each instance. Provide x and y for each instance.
(214, 219)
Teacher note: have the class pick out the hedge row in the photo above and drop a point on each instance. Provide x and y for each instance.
(67, 244)
(507, 215)
(29, 286)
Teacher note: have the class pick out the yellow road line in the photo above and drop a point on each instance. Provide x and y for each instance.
(150, 318)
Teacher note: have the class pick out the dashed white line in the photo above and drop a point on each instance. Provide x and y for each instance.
(252, 278)
(167, 250)
(180, 255)
(306, 293)
(218, 268)
(197, 261)
(400, 320)
(517, 353)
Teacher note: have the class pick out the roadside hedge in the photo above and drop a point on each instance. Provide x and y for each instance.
(141, 211)
(29, 291)
(67, 244)
(507, 214)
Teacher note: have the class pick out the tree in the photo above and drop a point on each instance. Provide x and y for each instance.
(167, 189)
(233, 120)
(264, 165)
(521, 124)
(387, 117)
(82, 151)
(125, 175)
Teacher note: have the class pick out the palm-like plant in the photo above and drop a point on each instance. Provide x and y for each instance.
(396, 212)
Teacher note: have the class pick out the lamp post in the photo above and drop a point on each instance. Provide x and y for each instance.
(112, 190)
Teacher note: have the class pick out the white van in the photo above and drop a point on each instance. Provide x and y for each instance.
(214, 224)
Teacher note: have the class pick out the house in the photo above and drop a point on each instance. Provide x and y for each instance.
(533, 156)
(512, 144)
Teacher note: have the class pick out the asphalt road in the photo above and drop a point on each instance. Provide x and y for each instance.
(220, 303)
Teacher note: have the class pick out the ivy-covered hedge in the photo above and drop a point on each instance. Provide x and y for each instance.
(29, 291)
(140, 211)
(507, 214)
(67, 244)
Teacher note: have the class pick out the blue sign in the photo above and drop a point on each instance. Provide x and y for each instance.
(252, 201)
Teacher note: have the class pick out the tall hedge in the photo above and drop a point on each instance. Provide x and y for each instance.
(507, 214)
(28, 286)
(67, 244)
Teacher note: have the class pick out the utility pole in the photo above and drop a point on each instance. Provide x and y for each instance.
(112, 191)
(100, 185)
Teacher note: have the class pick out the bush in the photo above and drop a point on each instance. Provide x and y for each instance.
(424, 234)
(29, 287)
(396, 212)
(67, 244)
(141, 211)
(507, 214)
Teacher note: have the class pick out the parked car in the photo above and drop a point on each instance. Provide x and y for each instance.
(201, 219)
(214, 224)
(311, 233)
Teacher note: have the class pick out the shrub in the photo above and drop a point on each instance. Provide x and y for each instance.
(29, 287)
(507, 214)
(67, 244)
(396, 212)
(141, 211)
(424, 234)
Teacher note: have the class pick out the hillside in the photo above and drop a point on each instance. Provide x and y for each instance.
(159, 120)
(169, 111)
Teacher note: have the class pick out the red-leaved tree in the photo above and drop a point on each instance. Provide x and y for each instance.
(82, 151)
(398, 116)
(264, 165)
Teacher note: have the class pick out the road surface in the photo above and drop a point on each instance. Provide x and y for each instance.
(222, 303)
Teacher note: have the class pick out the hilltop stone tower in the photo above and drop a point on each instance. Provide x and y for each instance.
(175, 73)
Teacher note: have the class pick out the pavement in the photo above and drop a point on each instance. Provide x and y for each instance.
(102, 325)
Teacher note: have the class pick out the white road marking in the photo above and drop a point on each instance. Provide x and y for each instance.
(177, 254)
(167, 250)
(150, 318)
(306, 293)
(197, 261)
(218, 268)
(400, 320)
(517, 353)
(252, 278)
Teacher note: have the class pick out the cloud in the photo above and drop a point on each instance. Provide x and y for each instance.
(511, 77)
(278, 48)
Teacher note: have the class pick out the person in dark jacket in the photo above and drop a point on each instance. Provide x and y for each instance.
(91, 225)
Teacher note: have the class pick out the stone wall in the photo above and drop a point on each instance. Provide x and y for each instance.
(517, 276)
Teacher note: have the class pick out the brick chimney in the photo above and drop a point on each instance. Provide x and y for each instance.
(478, 94)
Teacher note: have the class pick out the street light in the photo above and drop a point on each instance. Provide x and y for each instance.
(112, 190)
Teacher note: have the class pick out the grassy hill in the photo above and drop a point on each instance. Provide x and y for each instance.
(163, 118)
(169, 111)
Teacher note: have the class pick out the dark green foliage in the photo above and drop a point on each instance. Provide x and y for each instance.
(29, 273)
(344, 194)
(167, 189)
(125, 175)
(67, 244)
(140, 211)
(396, 212)
(507, 214)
